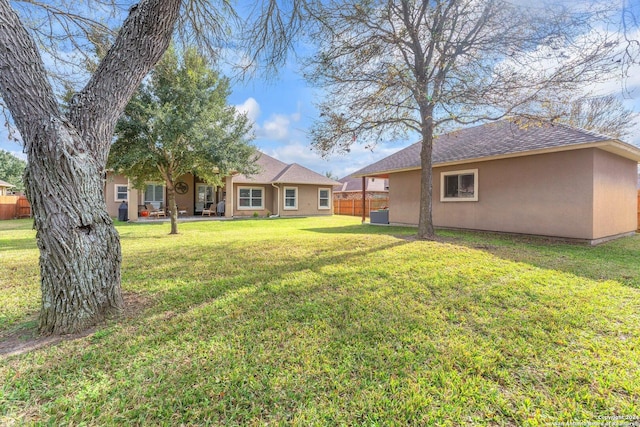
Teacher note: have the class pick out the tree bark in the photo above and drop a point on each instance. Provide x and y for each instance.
(173, 209)
(425, 220)
(79, 247)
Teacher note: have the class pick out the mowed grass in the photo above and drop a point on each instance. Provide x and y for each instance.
(323, 321)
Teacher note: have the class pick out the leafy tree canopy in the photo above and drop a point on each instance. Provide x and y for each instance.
(12, 169)
(179, 122)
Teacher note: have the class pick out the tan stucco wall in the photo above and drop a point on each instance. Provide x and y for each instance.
(404, 197)
(109, 193)
(274, 198)
(615, 195)
(307, 201)
(186, 201)
(267, 203)
(549, 194)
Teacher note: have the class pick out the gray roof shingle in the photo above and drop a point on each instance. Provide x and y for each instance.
(275, 171)
(353, 184)
(492, 139)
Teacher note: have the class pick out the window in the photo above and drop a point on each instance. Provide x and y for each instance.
(459, 186)
(121, 193)
(291, 198)
(204, 196)
(154, 194)
(324, 195)
(250, 198)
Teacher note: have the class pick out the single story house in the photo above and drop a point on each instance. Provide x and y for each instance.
(5, 188)
(277, 189)
(540, 179)
(351, 188)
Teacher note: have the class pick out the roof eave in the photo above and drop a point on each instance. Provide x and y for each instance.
(385, 173)
(324, 184)
(614, 146)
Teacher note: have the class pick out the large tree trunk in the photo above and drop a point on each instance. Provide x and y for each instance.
(425, 221)
(79, 248)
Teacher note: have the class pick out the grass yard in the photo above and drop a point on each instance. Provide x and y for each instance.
(323, 321)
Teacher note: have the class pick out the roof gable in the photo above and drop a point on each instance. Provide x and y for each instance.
(503, 138)
(354, 184)
(277, 172)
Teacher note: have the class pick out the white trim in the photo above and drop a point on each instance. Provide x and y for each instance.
(116, 192)
(473, 172)
(203, 204)
(295, 199)
(157, 204)
(329, 197)
(251, 208)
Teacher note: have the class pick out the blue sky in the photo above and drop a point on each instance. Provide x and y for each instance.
(283, 111)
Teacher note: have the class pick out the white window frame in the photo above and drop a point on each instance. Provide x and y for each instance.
(328, 190)
(156, 204)
(295, 199)
(443, 176)
(209, 196)
(116, 192)
(251, 208)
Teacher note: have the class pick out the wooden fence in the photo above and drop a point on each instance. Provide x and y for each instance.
(353, 207)
(14, 207)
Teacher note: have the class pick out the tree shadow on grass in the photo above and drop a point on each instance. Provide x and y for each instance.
(176, 291)
(301, 335)
(387, 230)
(615, 260)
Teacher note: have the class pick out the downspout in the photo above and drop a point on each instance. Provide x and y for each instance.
(277, 214)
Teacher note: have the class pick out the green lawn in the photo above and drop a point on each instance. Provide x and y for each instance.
(323, 321)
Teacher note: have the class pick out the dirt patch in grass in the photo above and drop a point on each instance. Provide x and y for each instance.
(25, 338)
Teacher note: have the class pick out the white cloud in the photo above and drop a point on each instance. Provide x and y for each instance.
(276, 128)
(251, 108)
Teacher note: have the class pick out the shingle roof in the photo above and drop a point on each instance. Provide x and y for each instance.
(353, 184)
(490, 140)
(5, 184)
(275, 171)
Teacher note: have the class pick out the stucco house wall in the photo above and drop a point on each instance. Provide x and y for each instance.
(272, 175)
(308, 201)
(547, 194)
(110, 193)
(578, 194)
(186, 201)
(267, 203)
(615, 190)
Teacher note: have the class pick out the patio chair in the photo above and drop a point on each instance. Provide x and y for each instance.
(153, 212)
(209, 210)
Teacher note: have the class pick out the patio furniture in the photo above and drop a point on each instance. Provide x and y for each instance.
(211, 209)
(154, 212)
